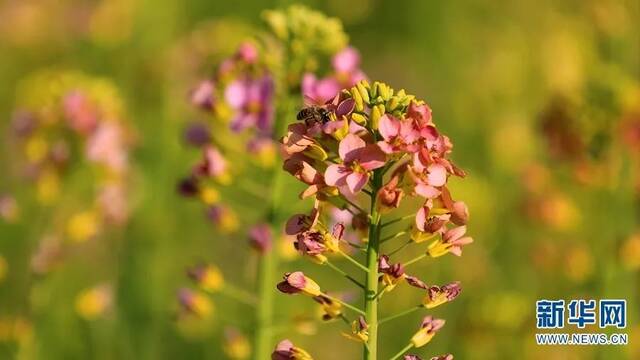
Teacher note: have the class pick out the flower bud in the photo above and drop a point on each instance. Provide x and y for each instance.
(357, 98)
(437, 295)
(363, 92)
(428, 329)
(286, 351)
(376, 112)
(393, 103)
(460, 213)
(208, 277)
(195, 303)
(297, 282)
(236, 346)
(359, 119)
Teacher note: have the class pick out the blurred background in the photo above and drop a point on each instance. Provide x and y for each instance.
(541, 99)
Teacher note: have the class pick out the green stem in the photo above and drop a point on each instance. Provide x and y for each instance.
(401, 352)
(345, 304)
(391, 222)
(344, 273)
(263, 341)
(391, 237)
(400, 314)
(400, 248)
(264, 330)
(417, 258)
(354, 261)
(373, 248)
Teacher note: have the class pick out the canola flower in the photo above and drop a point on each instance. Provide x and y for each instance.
(377, 143)
(248, 98)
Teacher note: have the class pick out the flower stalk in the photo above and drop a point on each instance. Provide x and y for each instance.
(371, 291)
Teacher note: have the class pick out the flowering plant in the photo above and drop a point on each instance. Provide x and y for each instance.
(381, 145)
(249, 96)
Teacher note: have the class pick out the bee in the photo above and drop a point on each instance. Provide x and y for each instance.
(313, 115)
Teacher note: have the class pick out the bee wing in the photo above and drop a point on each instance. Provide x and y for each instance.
(310, 101)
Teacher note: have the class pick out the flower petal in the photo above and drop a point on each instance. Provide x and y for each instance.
(356, 181)
(335, 174)
(348, 145)
(371, 157)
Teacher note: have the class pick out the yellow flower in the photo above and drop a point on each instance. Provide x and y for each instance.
(82, 226)
(209, 195)
(208, 277)
(236, 345)
(36, 149)
(94, 302)
(195, 303)
(48, 187)
(427, 331)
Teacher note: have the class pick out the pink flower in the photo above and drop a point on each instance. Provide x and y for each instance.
(358, 160)
(81, 115)
(320, 90)
(390, 194)
(202, 95)
(213, 163)
(301, 222)
(297, 282)
(420, 114)
(285, 350)
(248, 53)
(346, 64)
(296, 140)
(438, 295)
(431, 224)
(347, 73)
(106, 146)
(260, 237)
(452, 241)
(443, 357)
(300, 167)
(251, 99)
(398, 135)
(456, 239)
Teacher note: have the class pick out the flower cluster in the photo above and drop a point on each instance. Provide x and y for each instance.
(369, 139)
(262, 78)
(68, 126)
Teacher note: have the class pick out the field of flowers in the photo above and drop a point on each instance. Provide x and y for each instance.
(315, 179)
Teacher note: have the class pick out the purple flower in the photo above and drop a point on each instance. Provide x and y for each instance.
(260, 237)
(438, 295)
(251, 99)
(285, 350)
(197, 134)
(202, 95)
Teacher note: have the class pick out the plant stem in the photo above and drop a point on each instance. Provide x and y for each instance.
(344, 273)
(263, 340)
(264, 329)
(354, 261)
(400, 248)
(345, 304)
(404, 350)
(418, 258)
(391, 237)
(391, 222)
(373, 248)
(403, 313)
